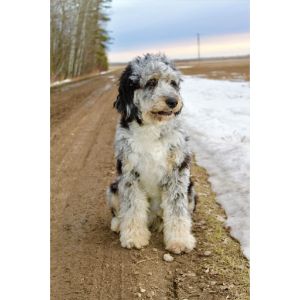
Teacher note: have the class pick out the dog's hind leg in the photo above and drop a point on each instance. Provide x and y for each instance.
(113, 202)
(192, 197)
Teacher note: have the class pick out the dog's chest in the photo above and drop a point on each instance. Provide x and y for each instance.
(151, 160)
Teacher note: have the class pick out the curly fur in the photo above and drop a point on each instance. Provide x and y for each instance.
(153, 188)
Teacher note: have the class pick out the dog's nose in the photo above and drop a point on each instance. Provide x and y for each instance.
(171, 102)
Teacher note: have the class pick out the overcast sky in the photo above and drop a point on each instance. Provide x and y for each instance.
(139, 26)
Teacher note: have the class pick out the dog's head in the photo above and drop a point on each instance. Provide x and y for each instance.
(149, 90)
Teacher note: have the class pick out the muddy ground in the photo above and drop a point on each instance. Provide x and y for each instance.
(87, 261)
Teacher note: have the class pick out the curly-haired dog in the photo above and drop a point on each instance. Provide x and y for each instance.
(153, 187)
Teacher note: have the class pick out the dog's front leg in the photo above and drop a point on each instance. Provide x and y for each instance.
(133, 214)
(177, 219)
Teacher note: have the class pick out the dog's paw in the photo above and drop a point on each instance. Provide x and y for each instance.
(178, 245)
(115, 224)
(135, 239)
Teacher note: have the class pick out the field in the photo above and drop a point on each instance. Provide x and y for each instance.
(87, 261)
(229, 68)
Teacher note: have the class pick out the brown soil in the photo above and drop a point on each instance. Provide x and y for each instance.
(87, 261)
(230, 69)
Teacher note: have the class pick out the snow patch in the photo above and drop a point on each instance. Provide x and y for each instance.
(60, 82)
(216, 113)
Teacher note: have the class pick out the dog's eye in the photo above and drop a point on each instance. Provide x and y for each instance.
(151, 83)
(174, 84)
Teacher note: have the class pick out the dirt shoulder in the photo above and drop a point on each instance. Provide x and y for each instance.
(87, 261)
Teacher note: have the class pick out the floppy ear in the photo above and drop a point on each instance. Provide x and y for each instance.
(124, 103)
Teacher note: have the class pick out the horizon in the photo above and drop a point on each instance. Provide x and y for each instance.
(193, 59)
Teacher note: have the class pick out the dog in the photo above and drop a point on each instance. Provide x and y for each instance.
(153, 188)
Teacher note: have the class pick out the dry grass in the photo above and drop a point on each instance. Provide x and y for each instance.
(221, 271)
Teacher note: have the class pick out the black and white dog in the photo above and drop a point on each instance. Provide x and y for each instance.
(153, 188)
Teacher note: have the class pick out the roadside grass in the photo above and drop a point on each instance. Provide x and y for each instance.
(218, 268)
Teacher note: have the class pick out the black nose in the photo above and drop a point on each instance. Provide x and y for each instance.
(171, 102)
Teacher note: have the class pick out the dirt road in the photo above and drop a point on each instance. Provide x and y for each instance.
(87, 261)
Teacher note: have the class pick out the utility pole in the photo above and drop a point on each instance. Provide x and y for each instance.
(198, 43)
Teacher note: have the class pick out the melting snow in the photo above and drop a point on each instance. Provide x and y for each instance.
(60, 82)
(217, 115)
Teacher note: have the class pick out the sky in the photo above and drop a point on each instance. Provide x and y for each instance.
(171, 26)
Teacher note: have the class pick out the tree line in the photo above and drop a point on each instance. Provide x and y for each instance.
(78, 38)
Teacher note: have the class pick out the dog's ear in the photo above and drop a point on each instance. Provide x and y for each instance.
(124, 102)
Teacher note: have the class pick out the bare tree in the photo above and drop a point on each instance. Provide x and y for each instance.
(78, 38)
